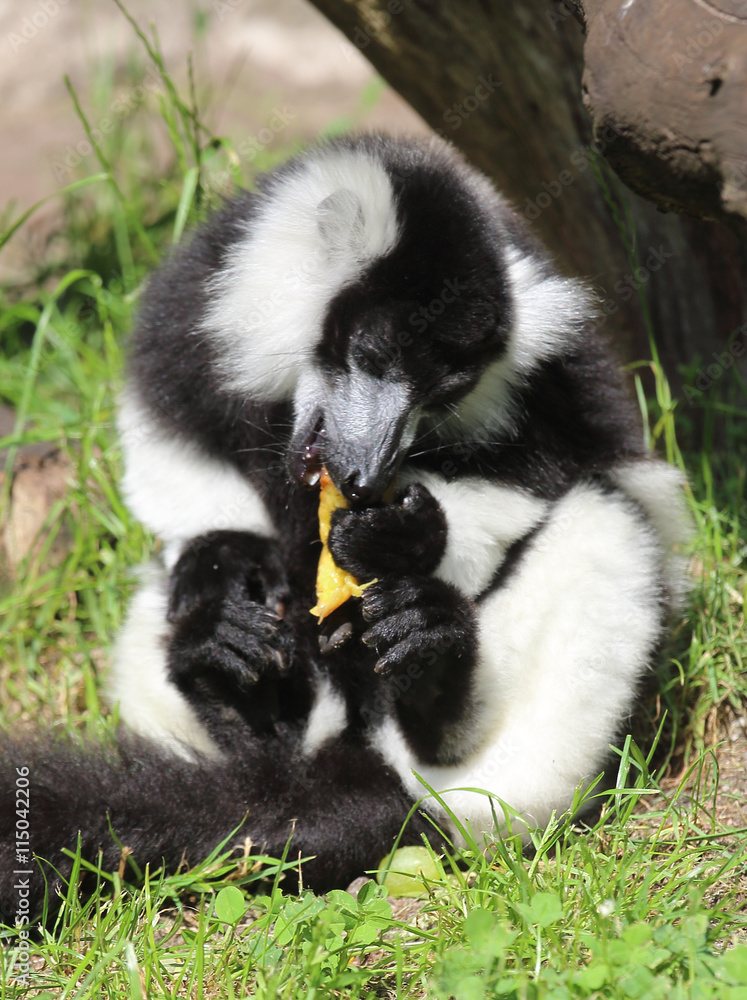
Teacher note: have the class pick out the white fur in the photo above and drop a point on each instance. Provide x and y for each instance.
(149, 703)
(327, 719)
(549, 313)
(563, 645)
(483, 521)
(322, 224)
(177, 490)
(658, 488)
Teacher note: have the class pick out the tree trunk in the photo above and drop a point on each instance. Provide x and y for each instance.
(502, 80)
(671, 77)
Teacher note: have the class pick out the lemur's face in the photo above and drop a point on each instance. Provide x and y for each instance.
(367, 292)
(411, 335)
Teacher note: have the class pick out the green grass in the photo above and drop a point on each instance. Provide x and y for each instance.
(647, 902)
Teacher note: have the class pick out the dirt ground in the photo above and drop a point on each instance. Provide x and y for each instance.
(253, 59)
(719, 787)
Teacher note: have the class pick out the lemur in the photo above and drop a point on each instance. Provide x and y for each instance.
(377, 309)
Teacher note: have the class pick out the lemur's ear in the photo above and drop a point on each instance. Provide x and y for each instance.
(341, 223)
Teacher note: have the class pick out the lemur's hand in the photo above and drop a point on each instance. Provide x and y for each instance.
(403, 537)
(422, 630)
(417, 619)
(424, 635)
(211, 566)
(226, 599)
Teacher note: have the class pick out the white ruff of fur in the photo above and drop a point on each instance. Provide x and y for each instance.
(322, 226)
(658, 488)
(563, 646)
(177, 490)
(549, 314)
(149, 702)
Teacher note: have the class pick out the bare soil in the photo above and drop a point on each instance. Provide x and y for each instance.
(259, 65)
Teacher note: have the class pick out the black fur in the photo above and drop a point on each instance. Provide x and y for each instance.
(405, 536)
(230, 644)
(171, 812)
(242, 647)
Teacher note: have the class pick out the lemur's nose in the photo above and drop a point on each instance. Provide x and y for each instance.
(358, 489)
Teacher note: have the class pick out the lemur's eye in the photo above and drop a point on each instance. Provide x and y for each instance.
(373, 359)
(448, 387)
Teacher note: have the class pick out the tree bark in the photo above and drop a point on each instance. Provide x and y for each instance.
(671, 77)
(502, 80)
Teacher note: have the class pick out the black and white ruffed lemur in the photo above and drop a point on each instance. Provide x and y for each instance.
(375, 308)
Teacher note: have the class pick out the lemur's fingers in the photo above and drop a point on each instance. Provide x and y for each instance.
(421, 618)
(405, 536)
(398, 627)
(419, 648)
(387, 596)
(237, 638)
(213, 565)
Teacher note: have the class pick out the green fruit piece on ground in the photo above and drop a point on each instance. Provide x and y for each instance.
(405, 868)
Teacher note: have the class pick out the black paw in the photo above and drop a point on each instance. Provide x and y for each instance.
(418, 621)
(238, 640)
(213, 565)
(424, 634)
(406, 536)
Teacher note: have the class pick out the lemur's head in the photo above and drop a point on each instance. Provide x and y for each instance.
(374, 289)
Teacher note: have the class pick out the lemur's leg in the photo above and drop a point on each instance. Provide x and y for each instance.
(139, 681)
(210, 638)
(564, 607)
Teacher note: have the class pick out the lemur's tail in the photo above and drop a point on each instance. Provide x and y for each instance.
(342, 806)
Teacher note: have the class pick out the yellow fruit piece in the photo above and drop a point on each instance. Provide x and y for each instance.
(333, 585)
